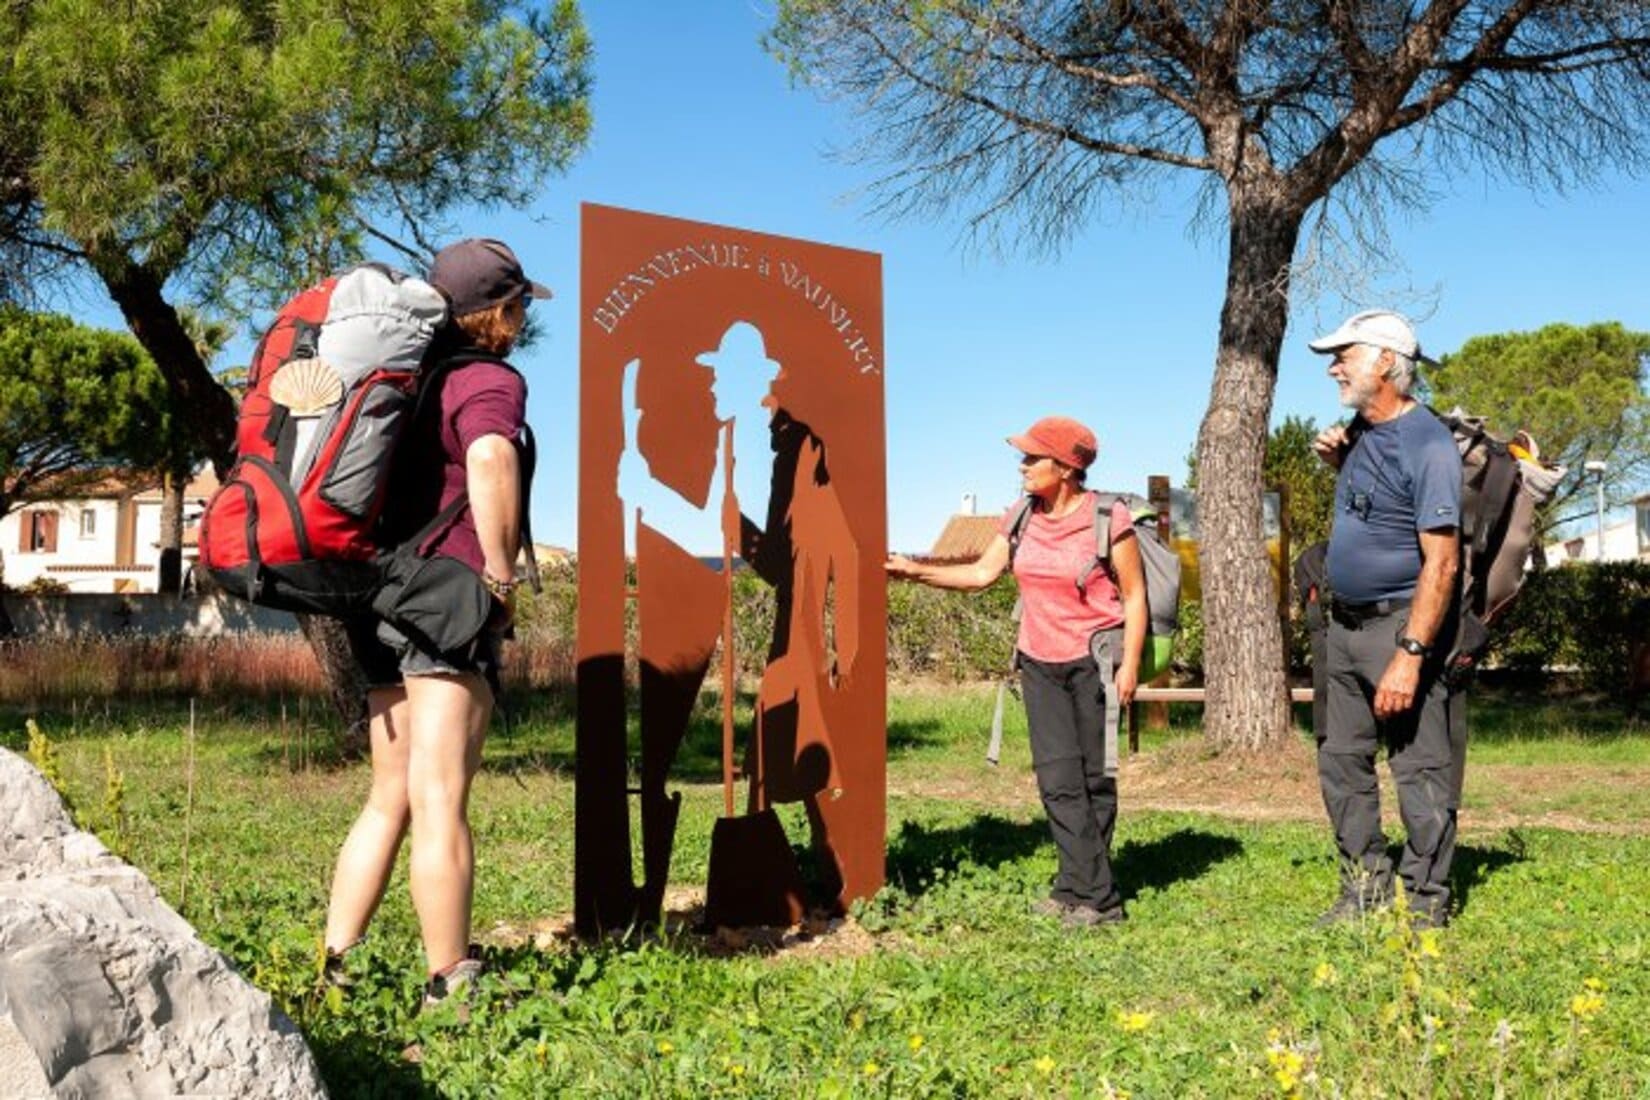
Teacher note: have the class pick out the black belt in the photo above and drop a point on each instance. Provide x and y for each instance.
(1354, 615)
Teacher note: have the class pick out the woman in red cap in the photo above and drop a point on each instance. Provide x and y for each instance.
(458, 488)
(1070, 625)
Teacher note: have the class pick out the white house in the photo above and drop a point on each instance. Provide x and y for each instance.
(105, 540)
(1626, 539)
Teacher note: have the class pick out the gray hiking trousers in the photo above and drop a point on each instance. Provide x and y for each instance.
(1426, 747)
(1066, 713)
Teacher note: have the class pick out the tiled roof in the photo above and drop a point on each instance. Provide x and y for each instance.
(964, 538)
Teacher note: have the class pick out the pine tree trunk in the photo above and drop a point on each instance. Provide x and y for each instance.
(1247, 701)
(346, 682)
(211, 416)
(170, 581)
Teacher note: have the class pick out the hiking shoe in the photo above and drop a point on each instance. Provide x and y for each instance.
(1425, 920)
(335, 968)
(452, 985)
(1086, 916)
(1049, 907)
(1351, 907)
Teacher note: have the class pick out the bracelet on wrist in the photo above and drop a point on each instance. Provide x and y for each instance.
(498, 589)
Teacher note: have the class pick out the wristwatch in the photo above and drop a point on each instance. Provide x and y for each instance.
(1413, 647)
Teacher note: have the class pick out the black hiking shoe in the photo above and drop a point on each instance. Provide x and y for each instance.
(1351, 906)
(1086, 916)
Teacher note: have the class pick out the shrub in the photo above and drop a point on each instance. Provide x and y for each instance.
(1586, 615)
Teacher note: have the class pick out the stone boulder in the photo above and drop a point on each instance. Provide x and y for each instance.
(105, 990)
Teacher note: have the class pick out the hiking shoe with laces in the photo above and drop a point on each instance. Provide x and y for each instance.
(1086, 916)
(451, 986)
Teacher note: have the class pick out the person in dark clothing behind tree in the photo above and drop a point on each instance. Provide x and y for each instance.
(1063, 682)
(1394, 553)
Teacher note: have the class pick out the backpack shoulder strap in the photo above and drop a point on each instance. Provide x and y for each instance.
(449, 515)
(1017, 525)
(1103, 504)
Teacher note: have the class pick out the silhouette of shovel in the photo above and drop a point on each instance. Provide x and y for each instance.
(753, 877)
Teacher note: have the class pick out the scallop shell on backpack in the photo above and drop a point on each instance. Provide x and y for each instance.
(306, 386)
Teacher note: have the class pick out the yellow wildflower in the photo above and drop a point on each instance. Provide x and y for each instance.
(1584, 1006)
(1429, 944)
(915, 1043)
(1135, 1021)
(666, 1047)
(1325, 974)
(871, 1069)
(1044, 1065)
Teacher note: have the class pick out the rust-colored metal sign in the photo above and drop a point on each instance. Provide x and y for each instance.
(730, 416)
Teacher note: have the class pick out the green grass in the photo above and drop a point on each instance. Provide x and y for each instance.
(1219, 985)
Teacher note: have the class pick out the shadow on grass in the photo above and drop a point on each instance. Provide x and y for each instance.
(907, 736)
(1508, 713)
(917, 852)
(1474, 865)
(1183, 855)
(357, 1066)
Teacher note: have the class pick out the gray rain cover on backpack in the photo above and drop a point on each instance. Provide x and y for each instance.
(377, 318)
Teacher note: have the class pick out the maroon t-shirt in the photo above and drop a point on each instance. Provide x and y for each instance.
(466, 403)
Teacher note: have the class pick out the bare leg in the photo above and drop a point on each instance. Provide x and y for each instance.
(448, 721)
(368, 854)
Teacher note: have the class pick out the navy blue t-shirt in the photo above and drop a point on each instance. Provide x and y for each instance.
(1403, 476)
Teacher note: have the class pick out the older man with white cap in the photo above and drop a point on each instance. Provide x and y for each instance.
(1394, 554)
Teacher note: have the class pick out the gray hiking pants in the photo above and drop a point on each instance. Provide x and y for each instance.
(1066, 713)
(1425, 750)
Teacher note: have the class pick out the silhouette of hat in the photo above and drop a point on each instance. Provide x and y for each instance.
(741, 343)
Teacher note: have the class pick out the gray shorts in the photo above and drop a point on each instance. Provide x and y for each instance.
(387, 656)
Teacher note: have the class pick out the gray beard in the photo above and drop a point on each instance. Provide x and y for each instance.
(1359, 393)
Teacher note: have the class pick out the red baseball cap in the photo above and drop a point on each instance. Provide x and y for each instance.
(1060, 438)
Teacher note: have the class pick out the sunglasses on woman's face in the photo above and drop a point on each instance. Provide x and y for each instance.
(1031, 460)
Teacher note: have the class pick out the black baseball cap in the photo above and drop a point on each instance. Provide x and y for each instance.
(481, 272)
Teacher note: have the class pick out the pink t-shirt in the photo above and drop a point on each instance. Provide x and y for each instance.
(1055, 621)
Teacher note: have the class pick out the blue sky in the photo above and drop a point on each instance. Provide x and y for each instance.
(693, 120)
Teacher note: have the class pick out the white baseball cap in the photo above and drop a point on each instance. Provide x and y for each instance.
(1379, 328)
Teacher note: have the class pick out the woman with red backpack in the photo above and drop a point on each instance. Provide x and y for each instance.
(1081, 634)
(456, 495)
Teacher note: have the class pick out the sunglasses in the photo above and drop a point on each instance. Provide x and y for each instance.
(1031, 460)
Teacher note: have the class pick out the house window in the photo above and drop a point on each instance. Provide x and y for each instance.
(88, 523)
(39, 532)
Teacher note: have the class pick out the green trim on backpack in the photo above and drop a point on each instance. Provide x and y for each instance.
(1159, 564)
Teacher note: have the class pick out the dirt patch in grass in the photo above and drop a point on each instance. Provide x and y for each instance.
(1280, 783)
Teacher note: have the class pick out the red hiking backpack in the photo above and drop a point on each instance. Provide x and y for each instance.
(332, 387)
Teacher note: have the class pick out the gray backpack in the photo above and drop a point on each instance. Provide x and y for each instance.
(1161, 566)
(1158, 561)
